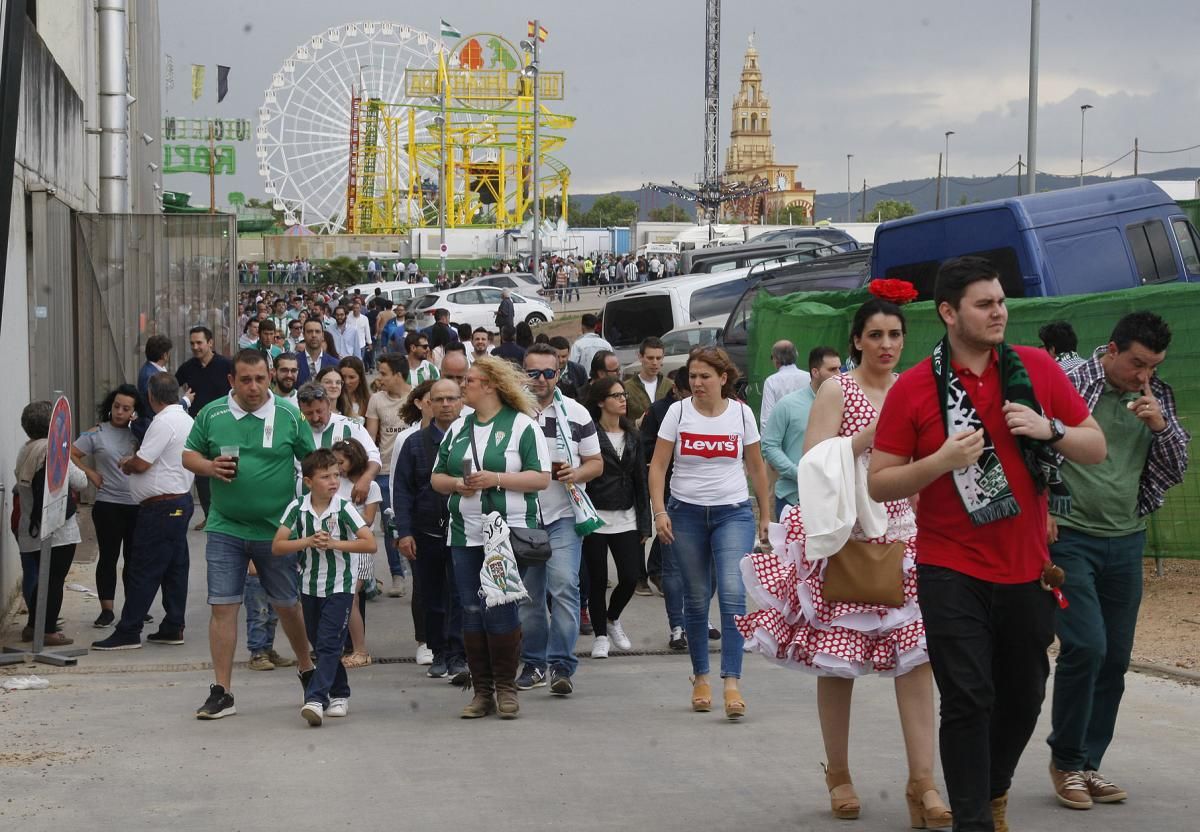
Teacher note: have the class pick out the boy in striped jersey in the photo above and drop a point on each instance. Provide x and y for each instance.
(325, 530)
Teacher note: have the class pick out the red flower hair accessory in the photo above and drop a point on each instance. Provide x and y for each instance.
(898, 292)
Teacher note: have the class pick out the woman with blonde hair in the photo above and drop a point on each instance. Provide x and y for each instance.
(493, 459)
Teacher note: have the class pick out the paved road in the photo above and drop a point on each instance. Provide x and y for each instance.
(113, 744)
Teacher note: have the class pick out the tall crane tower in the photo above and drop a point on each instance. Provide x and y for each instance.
(710, 193)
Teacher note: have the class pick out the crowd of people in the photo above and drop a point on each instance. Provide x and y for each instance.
(938, 527)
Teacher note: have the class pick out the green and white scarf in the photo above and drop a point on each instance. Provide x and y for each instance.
(587, 520)
(983, 487)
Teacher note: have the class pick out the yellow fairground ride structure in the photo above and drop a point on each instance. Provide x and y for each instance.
(487, 104)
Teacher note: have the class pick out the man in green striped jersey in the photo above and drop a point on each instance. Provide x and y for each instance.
(329, 427)
(325, 530)
(420, 368)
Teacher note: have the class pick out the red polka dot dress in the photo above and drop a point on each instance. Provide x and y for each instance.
(796, 627)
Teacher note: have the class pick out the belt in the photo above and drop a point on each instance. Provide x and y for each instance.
(162, 498)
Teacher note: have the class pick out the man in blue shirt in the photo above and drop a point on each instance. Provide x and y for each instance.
(783, 434)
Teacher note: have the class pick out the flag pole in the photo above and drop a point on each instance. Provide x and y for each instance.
(212, 167)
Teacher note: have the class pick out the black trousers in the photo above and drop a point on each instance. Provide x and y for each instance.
(626, 548)
(61, 558)
(987, 645)
(114, 524)
(204, 494)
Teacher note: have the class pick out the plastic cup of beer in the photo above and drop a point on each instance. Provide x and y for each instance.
(233, 452)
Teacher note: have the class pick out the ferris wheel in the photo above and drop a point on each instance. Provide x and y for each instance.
(304, 123)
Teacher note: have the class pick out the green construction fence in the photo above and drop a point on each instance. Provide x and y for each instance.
(811, 319)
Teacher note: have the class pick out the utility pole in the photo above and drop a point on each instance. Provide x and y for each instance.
(1135, 156)
(1019, 166)
(949, 133)
(849, 193)
(1082, 121)
(530, 74)
(442, 177)
(863, 214)
(212, 166)
(1031, 139)
(937, 200)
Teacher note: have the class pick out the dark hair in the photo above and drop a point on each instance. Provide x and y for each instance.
(560, 343)
(651, 343)
(454, 346)
(35, 419)
(784, 353)
(524, 336)
(543, 349)
(396, 362)
(1059, 336)
(817, 356)
(875, 306)
(318, 460)
(158, 347)
(316, 321)
(507, 333)
(411, 339)
(588, 321)
(121, 390)
(956, 274)
(679, 378)
(597, 392)
(246, 326)
(363, 396)
(598, 362)
(162, 388)
(287, 356)
(541, 338)
(410, 413)
(1146, 328)
(265, 324)
(464, 332)
(354, 452)
(330, 344)
(208, 336)
(482, 329)
(719, 360)
(249, 356)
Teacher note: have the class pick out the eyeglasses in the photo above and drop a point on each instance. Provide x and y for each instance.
(617, 395)
(546, 374)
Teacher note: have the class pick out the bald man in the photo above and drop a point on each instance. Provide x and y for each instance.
(787, 378)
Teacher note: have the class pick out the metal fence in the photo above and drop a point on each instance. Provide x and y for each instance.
(148, 274)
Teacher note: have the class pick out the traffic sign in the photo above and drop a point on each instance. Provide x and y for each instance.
(443, 248)
(58, 461)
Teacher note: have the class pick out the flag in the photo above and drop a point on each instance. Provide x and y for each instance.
(541, 31)
(197, 81)
(222, 82)
(449, 31)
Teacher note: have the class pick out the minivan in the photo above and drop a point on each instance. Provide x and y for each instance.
(397, 291)
(1114, 235)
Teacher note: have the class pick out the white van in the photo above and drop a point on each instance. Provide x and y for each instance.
(663, 305)
(397, 291)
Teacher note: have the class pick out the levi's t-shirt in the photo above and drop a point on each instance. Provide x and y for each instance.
(1008, 551)
(709, 452)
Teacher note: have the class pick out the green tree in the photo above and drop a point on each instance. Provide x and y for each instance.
(890, 209)
(796, 214)
(670, 213)
(255, 202)
(344, 271)
(607, 210)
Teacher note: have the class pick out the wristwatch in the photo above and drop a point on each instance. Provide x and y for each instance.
(1057, 430)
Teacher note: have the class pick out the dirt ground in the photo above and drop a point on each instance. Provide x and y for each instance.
(1168, 630)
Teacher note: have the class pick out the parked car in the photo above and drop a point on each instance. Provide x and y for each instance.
(519, 281)
(1114, 235)
(476, 306)
(726, 258)
(679, 343)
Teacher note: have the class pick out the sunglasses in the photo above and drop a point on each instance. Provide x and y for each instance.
(546, 374)
(311, 395)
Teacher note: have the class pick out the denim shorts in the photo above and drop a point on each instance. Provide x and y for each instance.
(228, 560)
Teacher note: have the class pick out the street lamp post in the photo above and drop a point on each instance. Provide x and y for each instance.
(1031, 139)
(949, 133)
(849, 196)
(1082, 124)
(531, 72)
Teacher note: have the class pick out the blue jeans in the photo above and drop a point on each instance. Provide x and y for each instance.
(260, 617)
(396, 561)
(780, 506)
(228, 560)
(550, 638)
(712, 540)
(672, 586)
(159, 558)
(325, 620)
(477, 617)
(1104, 586)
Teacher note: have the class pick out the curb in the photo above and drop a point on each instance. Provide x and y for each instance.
(1175, 674)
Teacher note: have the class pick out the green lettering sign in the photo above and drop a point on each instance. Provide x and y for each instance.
(183, 158)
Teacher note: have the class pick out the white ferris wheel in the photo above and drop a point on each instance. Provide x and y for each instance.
(304, 122)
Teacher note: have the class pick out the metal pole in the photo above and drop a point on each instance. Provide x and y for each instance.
(849, 193)
(442, 167)
(1031, 139)
(949, 133)
(1135, 156)
(1083, 108)
(536, 244)
(212, 182)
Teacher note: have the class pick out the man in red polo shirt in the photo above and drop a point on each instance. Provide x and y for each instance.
(978, 431)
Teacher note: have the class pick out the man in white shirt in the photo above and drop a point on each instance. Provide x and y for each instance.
(588, 343)
(347, 335)
(329, 428)
(549, 639)
(787, 378)
(159, 555)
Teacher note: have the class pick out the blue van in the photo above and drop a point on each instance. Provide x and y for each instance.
(1098, 238)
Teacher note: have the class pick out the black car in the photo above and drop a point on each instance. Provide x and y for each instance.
(838, 272)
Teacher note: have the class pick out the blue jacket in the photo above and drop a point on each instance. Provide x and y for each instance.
(417, 507)
(327, 360)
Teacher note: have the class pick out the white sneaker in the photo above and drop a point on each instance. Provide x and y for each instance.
(600, 647)
(397, 590)
(424, 654)
(617, 633)
(338, 707)
(313, 713)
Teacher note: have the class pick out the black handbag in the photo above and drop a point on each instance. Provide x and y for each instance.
(531, 547)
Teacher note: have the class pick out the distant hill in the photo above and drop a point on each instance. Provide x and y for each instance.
(920, 192)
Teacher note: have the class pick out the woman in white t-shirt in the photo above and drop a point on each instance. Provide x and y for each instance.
(713, 441)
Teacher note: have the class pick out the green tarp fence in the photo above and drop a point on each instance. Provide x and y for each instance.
(811, 319)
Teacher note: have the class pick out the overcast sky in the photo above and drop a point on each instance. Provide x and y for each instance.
(879, 79)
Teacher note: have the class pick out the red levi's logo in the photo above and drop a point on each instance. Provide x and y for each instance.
(709, 446)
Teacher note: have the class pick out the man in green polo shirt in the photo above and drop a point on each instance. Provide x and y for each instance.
(248, 442)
